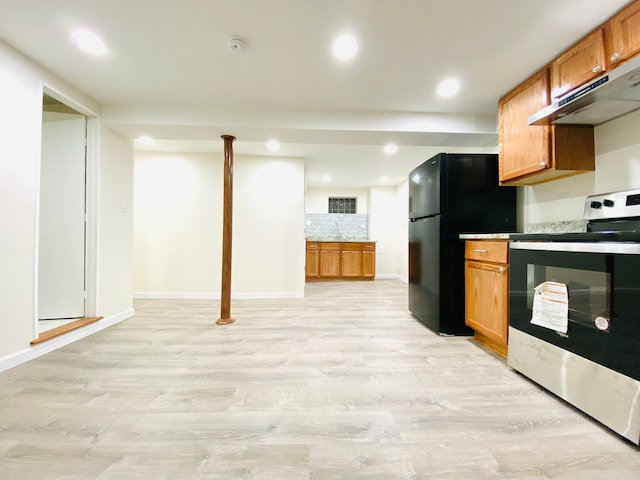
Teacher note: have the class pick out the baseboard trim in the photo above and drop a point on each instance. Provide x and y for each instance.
(392, 276)
(35, 351)
(214, 296)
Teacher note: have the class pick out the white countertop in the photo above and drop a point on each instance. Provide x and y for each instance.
(485, 236)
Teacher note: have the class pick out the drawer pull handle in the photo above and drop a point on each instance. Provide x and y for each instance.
(479, 251)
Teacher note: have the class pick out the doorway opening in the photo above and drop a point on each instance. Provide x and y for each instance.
(62, 221)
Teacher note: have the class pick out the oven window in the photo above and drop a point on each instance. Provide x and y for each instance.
(589, 292)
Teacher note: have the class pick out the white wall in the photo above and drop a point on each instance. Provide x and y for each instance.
(317, 199)
(384, 229)
(178, 226)
(21, 88)
(617, 168)
(115, 250)
(20, 129)
(402, 251)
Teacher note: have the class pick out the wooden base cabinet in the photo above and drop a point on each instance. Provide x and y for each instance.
(330, 259)
(351, 259)
(369, 260)
(312, 263)
(340, 261)
(487, 292)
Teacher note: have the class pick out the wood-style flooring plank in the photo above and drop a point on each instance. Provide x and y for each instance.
(343, 384)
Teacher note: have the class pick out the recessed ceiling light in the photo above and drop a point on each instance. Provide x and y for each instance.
(345, 47)
(448, 87)
(326, 178)
(273, 145)
(145, 140)
(89, 42)
(390, 148)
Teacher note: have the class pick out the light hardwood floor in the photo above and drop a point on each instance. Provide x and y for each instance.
(343, 384)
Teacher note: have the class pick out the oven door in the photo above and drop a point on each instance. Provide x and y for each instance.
(594, 364)
(603, 287)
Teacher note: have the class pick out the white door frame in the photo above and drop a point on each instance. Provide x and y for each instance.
(91, 207)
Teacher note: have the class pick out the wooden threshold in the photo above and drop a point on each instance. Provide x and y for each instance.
(67, 327)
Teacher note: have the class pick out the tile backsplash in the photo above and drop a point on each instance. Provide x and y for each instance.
(335, 226)
(569, 226)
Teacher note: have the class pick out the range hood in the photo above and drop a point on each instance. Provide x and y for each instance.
(609, 96)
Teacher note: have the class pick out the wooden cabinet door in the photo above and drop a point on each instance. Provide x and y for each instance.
(486, 299)
(368, 263)
(581, 63)
(625, 34)
(351, 263)
(312, 266)
(524, 149)
(329, 263)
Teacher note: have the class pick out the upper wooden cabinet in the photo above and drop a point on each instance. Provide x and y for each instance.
(622, 35)
(524, 149)
(531, 154)
(581, 63)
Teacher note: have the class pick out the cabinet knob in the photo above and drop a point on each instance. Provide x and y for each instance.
(615, 57)
(502, 270)
(597, 68)
(543, 164)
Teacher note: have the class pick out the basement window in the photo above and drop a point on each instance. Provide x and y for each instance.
(343, 205)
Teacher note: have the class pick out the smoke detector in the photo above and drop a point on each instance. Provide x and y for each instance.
(237, 43)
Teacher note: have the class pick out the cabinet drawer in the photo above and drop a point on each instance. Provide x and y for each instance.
(487, 251)
(352, 246)
(312, 246)
(330, 246)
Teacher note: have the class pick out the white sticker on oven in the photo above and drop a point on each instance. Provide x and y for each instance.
(551, 306)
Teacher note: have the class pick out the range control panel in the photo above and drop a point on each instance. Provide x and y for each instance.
(621, 204)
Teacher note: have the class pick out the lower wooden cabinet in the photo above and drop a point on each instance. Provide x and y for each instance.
(487, 292)
(340, 261)
(369, 260)
(329, 259)
(351, 260)
(312, 263)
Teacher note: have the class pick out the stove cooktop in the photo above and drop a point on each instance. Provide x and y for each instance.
(603, 236)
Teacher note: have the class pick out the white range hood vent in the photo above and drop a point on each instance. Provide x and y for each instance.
(609, 96)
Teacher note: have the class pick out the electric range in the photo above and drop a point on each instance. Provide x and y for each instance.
(574, 311)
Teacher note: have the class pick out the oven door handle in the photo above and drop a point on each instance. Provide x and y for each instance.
(582, 247)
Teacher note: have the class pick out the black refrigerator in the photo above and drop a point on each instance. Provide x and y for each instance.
(451, 194)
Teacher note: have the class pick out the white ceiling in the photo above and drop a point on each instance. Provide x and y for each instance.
(169, 72)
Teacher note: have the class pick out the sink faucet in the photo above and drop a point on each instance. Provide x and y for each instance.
(338, 229)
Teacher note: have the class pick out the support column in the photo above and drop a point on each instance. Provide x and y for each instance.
(227, 233)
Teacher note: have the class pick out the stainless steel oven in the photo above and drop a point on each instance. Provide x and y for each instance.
(584, 346)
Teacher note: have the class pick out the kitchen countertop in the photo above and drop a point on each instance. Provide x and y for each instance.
(339, 239)
(486, 236)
